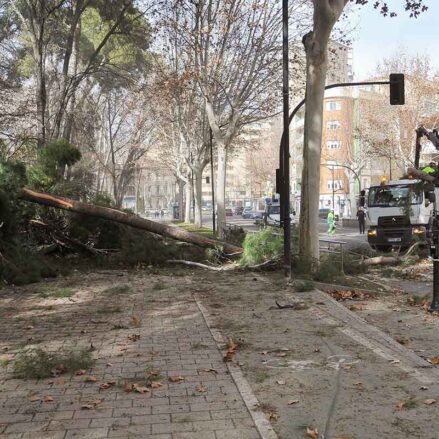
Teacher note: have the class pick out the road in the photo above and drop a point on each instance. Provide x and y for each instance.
(348, 234)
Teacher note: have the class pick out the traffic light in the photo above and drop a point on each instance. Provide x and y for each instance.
(362, 198)
(397, 89)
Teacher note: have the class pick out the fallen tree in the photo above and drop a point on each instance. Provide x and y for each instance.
(126, 218)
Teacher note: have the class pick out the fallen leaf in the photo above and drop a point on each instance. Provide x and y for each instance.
(312, 433)
(280, 382)
(210, 370)
(34, 398)
(293, 401)
(264, 352)
(281, 354)
(107, 385)
(434, 360)
(91, 404)
(60, 380)
(272, 417)
(134, 387)
(423, 388)
(109, 364)
(394, 361)
(156, 384)
(134, 337)
(135, 320)
(176, 379)
(47, 398)
(80, 372)
(154, 372)
(201, 388)
(401, 404)
(430, 401)
(90, 379)
(231, 349)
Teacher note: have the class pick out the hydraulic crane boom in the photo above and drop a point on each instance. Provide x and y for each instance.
(432, 136)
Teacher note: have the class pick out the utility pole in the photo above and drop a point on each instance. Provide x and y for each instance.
(285, 162)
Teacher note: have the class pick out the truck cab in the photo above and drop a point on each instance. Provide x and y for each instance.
(399, 213)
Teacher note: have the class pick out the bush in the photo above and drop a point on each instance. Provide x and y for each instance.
(261, 246)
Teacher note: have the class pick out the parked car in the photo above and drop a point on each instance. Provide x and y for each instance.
(252, 214)
(238, 210)
(229, 211)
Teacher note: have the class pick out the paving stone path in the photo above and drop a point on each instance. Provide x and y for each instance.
(171, 336)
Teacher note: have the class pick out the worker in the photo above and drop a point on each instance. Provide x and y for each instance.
(430, 169)
(331, 223)
(361, 215)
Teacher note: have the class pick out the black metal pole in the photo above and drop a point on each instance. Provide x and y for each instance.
(435, 302)
(285, 169)
(333, 190)
(212, 182)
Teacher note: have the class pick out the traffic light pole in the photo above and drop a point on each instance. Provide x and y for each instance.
(435, 247)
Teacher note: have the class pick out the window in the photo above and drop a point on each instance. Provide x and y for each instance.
(333, 125)
(207, 180)
(334, 184)
(333, 144)
(333, 105)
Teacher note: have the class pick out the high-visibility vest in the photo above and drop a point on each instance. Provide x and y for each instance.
(429, 170)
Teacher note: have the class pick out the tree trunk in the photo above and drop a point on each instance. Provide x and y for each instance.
(326, 14)
(198, 174)
(316, 59)
(181, 185)
(221, 188)
(188, 197)
(125, 218)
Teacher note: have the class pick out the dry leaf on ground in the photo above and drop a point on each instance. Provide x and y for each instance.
(280, 382)
(156, 384)
(34, 398)
(80, 372)
(134, 387)
(401, 404)
(47, 398)
(312, 433)
(430, 401)
(434, 360)
(176, 379)
(134, 337)
(293, 401)
(91, 404)
(135, 320)
(272, 417)
(231, 349)
(90, 379)
(201, 388)
(210, 370)
(107, 385)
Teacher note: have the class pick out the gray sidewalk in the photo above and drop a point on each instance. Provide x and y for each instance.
(172, 339)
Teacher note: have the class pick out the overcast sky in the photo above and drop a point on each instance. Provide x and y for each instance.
(378, 37)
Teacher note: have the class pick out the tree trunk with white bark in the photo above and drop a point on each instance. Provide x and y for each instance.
(198, 179)
(188, 199)
(326, 14)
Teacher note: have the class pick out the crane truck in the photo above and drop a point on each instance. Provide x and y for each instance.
(401, 212)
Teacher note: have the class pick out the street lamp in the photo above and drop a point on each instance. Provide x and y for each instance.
(396, 83)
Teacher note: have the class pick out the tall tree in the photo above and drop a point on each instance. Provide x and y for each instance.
(326, 14)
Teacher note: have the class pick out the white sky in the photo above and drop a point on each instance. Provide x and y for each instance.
(378, 37)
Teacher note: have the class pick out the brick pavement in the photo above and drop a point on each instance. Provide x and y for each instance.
(173, 339)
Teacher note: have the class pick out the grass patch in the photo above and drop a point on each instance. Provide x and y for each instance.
(118, 289)
(303, 285)
(204, 231)
(37, 363)
(61, 293)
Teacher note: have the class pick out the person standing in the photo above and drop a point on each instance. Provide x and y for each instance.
(331, 223)
(361, 215)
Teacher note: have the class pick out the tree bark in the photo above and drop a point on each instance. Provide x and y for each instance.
(326, 14)
(125, 218)
(198, 175)
(188, 197)
(221, 188)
